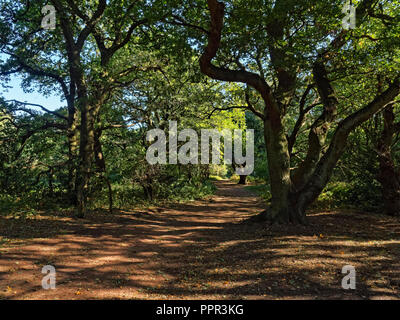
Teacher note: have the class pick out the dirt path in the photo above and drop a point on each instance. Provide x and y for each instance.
(199, 250)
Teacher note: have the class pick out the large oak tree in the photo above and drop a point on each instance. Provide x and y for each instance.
(295, 54)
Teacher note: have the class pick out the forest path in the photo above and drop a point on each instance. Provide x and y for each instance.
(200, 250)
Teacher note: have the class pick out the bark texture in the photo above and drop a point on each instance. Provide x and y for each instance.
(389, 175)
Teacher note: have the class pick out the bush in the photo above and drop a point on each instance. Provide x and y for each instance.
(262, 190)
(354, 195)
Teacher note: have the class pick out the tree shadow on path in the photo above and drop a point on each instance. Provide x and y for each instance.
(200, 250)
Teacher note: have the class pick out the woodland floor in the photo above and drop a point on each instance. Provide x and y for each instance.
(200, 250)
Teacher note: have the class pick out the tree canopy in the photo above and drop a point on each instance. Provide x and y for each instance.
(288, 69)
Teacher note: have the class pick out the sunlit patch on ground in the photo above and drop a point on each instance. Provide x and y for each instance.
(200, 250)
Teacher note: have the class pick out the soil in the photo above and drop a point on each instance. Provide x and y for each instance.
(200, 250)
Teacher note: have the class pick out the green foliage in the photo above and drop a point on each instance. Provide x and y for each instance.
(155, 78)
(262, 190)
(355, 195)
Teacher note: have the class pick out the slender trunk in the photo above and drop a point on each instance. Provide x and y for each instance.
(71, 164)
(101, 165)
(110, 195)
(85, 155)
(51, 178)
(148, 192)
(243, 180)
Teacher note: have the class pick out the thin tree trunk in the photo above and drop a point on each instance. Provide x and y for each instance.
(71, 164)
(89, 114)
(242, 180)
(85, 154)
(101, 165)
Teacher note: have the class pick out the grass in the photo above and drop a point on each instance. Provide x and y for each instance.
(261, 190)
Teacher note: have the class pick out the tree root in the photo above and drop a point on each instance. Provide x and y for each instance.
(292, 217)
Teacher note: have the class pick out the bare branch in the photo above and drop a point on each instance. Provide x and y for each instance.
(39, 106)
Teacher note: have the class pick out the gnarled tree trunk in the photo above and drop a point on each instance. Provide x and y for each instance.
(389, 175)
